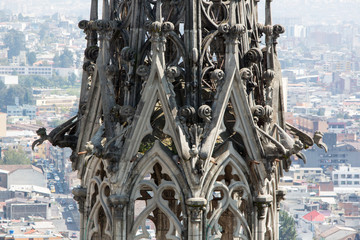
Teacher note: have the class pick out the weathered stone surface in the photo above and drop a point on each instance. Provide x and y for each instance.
(181, 124)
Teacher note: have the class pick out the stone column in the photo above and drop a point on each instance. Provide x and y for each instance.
(80, 196)
(196, 208)
(119, 203)
(262, 203)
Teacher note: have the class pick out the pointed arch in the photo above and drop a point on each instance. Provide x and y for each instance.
(157, 154)
(154, 176)
(99, 220)
(229, 195)
(271, 211)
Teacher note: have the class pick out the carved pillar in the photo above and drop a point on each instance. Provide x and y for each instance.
(262, 203)
(280, 195)
(118, 204)
(80, 196)
(196, 208)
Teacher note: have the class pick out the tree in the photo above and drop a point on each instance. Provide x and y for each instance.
(15, 157)
(2, 85)
(31, 58)
(34, 81)
(4, 62)
(72, 79)
(287, 230)
(44, 32)
(20, 17)
(65, 60)
(4, 15)
(8, 96)
(59, 81)
(15, 41)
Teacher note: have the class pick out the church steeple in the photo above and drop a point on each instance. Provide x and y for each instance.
(180, 131)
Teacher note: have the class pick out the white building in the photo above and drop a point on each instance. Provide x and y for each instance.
(9, 79)
(346, 176)
(305, 173)
(23, 70)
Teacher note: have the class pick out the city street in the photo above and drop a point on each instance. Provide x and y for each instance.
(61, 212)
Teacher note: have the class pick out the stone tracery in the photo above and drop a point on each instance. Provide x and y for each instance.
(181, 123)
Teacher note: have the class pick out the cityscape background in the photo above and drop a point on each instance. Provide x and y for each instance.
(41, 53)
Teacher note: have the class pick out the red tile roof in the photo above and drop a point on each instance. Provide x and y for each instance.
(314, 216)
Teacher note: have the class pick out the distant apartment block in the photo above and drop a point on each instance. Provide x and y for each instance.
(337, 127)
(311, 124)
(341, 154)
(16, 209)
(25, 110)
(303, 173)
(24, 70)
(346, 176)
(53, 103)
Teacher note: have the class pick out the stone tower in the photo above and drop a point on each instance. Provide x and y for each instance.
(180, 132)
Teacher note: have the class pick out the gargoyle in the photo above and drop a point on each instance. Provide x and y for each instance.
(57, 136)
(293, 146)
(318, 140)
(303, 137)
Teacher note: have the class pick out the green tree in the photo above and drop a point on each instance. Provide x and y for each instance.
(4, 15)
(72, 79)
(34, 81)
(287, 230)
(8, 95)
(65, 60)
(15, 157)
(31, 58)
(15, 41)
(44, 32)
(20, 17)
(4, 62)
(2, 85)
(59, 81)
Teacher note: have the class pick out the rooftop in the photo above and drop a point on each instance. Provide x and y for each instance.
(314, 216)
(13, 168)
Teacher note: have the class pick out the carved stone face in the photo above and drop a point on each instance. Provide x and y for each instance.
(41, 132)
